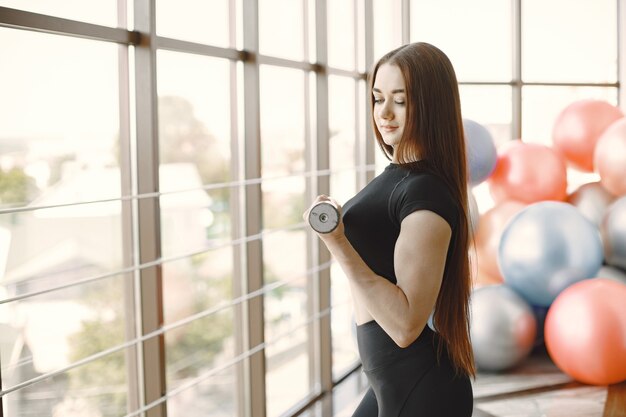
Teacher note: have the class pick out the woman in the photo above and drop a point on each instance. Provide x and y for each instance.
(403, 244)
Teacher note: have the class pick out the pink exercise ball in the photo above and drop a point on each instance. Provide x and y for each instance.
(528, 172)
(487, 237)
(609, 158)
(578, 127)
(585, 331)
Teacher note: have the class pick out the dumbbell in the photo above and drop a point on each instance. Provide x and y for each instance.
(324, 217)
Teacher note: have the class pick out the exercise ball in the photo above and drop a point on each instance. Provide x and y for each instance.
(578, 127)
(613, 273)
(547, 247)
(592, 199)
(540, 314)
(613, 229)
(488, 234)
(528, 172)
(480, 276)
(502, 328)
(474, 214)
(481, 151)
(585, 331)
(609, 158)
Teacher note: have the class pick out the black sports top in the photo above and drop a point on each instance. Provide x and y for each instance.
(373, 216)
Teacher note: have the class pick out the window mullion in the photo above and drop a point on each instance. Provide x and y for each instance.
(254, 318)
(152, 359)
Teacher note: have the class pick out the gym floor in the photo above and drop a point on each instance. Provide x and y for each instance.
(536, 388)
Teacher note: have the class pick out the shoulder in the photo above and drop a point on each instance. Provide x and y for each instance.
(425, 181)
(421, 190)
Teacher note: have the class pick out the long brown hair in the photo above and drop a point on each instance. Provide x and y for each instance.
(433, 132)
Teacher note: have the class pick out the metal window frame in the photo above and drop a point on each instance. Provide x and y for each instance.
(129, 236)
(320, 160)
(252, 220)
(621, 52)
(35, 22)
(150, 280)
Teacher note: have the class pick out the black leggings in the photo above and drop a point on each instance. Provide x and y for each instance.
(408, 382)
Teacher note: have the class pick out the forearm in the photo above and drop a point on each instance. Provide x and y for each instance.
(385, 301)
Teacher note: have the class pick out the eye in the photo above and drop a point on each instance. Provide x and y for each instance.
(378, 100)
(400, 102)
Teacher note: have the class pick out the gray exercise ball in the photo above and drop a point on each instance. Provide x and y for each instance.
(613, 230)
(592, 199)
(503, 328)
(613, 273)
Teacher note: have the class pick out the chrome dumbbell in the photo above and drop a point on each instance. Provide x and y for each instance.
(324, 217)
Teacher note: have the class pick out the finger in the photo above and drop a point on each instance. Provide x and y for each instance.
(322, 197)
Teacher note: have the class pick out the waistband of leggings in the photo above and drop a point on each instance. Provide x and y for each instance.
(378, 349)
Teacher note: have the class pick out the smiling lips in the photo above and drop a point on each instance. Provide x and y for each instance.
(389, 128)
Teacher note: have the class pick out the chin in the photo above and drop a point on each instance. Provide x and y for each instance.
(391, 141)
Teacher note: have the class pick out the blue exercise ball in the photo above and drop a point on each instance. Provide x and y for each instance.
(502, 328)
(481, 151)
(545, 248)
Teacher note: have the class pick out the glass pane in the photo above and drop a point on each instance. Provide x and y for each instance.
(282, 120)
(491, 106)
(345, 351)
(199, 347)
(59, 119)
(95, 389)
(569, 41)
(342, 138)
(285, 308)
(283, 202)
(194, 117)
(475, 35)
(343, 186)
(542, 105)
(194, 20)
(380, 159)
(45, 333)
(341, 115)
(278, 267)
(101, 12)
(46, 248)
(387, 26)
(341, 43)
(281, 28)
(196, 284)
(287, 372)
(216, 397)
(191, 220)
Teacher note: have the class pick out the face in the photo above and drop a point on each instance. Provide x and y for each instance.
(389, 103)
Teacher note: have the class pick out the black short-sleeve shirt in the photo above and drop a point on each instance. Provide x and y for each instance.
(373, 216)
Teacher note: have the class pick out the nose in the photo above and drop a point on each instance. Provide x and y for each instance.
(384, 111)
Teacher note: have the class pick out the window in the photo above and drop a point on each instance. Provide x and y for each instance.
(151, 193)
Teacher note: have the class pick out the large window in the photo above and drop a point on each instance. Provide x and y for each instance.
(155, 161)
(519, 63)
(152, 189)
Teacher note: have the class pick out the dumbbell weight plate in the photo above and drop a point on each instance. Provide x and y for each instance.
(324, 217)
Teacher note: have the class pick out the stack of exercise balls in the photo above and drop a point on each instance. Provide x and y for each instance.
(550, 265)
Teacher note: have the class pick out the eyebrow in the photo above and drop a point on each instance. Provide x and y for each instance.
(400, 90)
